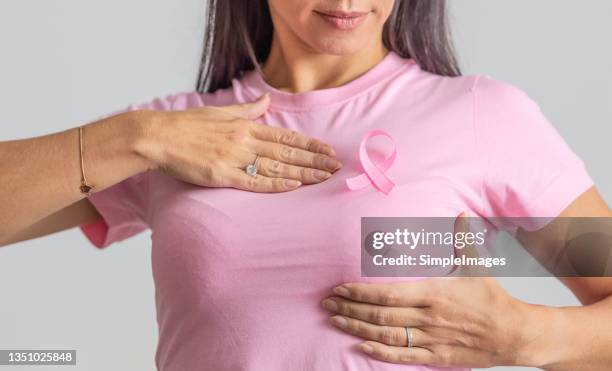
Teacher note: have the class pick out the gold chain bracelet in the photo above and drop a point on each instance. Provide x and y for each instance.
(85, 186)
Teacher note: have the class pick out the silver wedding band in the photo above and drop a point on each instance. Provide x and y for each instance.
(409, 336)
(252, 168)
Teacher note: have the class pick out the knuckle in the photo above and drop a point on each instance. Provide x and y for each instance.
(405, 357)
(354, 292)
(435, 300)
(208, 174)
(274, 167)
(428, 321)
(288, 137)
(252, 183)
(380, 316)
(388, 356)
(351, 311)
(278, 185)
(444, 359)
(286, 153)
(344, 307)
(389, 297)
(221, 151)
(437, 320)
(239, 137)
(212, 174)
(303, 172)
(318, 161)
(425, 339)
(468, 342)
(399, 338)
(390, 336)
(312, 145)
(430, 318)
(356, 327)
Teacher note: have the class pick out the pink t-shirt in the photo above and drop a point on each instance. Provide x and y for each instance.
(239, 276)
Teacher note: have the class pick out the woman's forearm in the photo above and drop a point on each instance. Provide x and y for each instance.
(42, 175)
(202, 146)
(568, 338)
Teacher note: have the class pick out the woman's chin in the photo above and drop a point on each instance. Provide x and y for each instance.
(339, 46)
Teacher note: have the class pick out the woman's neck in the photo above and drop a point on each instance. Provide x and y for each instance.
(296, 70)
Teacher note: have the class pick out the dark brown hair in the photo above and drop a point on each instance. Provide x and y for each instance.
(238, 37)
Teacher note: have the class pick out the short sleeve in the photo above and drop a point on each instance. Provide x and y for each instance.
(529, 170)
(123, 206)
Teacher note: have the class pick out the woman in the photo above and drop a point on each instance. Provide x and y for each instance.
(253, 225)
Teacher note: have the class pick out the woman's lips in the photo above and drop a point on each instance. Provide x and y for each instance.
(343, 20)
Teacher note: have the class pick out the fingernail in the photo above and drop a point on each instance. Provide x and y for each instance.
(339, 321)
(330, 304)
(342, 291)
(366, 348)
(332, 164)
(321, 175)
(290, 183)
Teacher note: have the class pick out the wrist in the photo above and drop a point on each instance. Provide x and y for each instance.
(543, 336)
(145, 141)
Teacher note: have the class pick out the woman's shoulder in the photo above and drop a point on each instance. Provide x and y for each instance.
(471, 86)
(495, 100)
(499, 93)
(475, 89)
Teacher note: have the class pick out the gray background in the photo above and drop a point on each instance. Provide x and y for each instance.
(68, 62)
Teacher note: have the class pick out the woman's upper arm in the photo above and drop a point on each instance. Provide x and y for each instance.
(589, 289)
(590, 204)
(532, 173)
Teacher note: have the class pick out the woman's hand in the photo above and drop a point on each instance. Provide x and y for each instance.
(463, 322)
(212, 146)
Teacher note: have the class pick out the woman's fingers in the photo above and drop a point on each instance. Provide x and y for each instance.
(276, 169)
(390, 343)
(414, 355)
(278, 147)
(390, 335)
(291, 138)
(406, 294)
(296, 156)
(213, 146)
(469, 250)
(378, 314)
(438, 355)
(237, 178)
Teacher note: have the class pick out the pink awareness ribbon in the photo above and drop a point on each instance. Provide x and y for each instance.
(373, 173)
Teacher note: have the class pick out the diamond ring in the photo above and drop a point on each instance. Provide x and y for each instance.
(252, 168)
